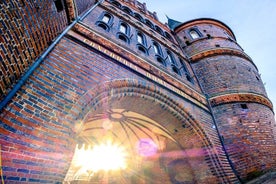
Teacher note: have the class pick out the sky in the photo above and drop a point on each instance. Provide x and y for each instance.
(253, 23)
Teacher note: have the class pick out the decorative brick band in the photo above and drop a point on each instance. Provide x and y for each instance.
(89, 37)
(240, 97)
(220, 51)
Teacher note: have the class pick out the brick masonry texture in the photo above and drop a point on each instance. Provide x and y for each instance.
(35, 132)
(82, 77)
(26, 29)
(237, 95)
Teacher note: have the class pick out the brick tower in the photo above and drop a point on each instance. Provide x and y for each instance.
(174, 103)
(230, 80)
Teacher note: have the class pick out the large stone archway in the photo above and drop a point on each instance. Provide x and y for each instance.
(131, 113)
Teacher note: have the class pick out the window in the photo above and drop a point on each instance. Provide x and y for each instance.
(171, 58)
(185, 71)
(106, 18)
(149, 24)
(59, 5)
(123, 33)
(244, 106)
(157, 49)
(159, 30)
(127, 10)
(194, 34)
(105, 21)
(158, 53)
(141, 45)
(138, 17)
(123, 28)
(116, 3)
(168, 36)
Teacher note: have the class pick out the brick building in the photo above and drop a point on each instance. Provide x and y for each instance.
(182, 100)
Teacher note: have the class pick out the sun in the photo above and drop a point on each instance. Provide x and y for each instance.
(106, 156)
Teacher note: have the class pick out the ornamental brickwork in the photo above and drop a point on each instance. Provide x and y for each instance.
(183, 99)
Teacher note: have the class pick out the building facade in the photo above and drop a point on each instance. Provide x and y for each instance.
(182, 102)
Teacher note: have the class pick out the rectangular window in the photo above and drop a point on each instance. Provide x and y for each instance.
(106, 19)
(123, 29)
(244, 106)
(156, 50)
(139, 39)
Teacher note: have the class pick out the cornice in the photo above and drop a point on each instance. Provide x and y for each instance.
(240, 97)
(220, 51)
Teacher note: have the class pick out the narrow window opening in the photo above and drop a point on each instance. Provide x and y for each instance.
(194, 34)
(175, 70)
(106, 18)
(208, 36)
(244, 106)
(188, 43)
(59, 5)
(217, 45)
(123, 28)
(140, 39)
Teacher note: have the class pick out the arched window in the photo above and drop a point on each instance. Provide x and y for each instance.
(123, 28)
(123, 33)
(167, 35)
(105, 21)
(194, 34)
(159, 30)
(138, 17)
(149, 24)
(141, 43)
(171, 58)
(186, 71)
(127, 10)
(116, 3)
(158, 53)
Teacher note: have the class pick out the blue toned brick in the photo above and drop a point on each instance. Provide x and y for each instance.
(34, 180)
(29, 111)
(23, 170)
(15, 121)
(23, 179)
(16, 161)
(32, 163)
(9, 128)
(13, 178)
(9, 169)
(18, 105)
(36, 172)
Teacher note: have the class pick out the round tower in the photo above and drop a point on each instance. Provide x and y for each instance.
(238, 100)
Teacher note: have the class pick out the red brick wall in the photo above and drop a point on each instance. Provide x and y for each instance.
(37, 138)
(26, 29)
(225, 72)
(249, 136)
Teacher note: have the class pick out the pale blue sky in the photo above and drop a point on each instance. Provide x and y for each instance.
(252, 21)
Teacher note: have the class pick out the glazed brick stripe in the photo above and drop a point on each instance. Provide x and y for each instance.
(26, 30)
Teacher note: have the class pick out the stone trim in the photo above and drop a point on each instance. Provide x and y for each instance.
(240, 97)
(220, 51)
(138, 64)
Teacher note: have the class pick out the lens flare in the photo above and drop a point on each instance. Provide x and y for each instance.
(105, 157)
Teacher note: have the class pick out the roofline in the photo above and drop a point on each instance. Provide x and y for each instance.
(206, 19)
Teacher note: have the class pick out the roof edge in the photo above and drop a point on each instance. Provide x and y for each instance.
(206, 19)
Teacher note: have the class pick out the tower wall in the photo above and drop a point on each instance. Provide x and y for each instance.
(230, 80)
(27, 28)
